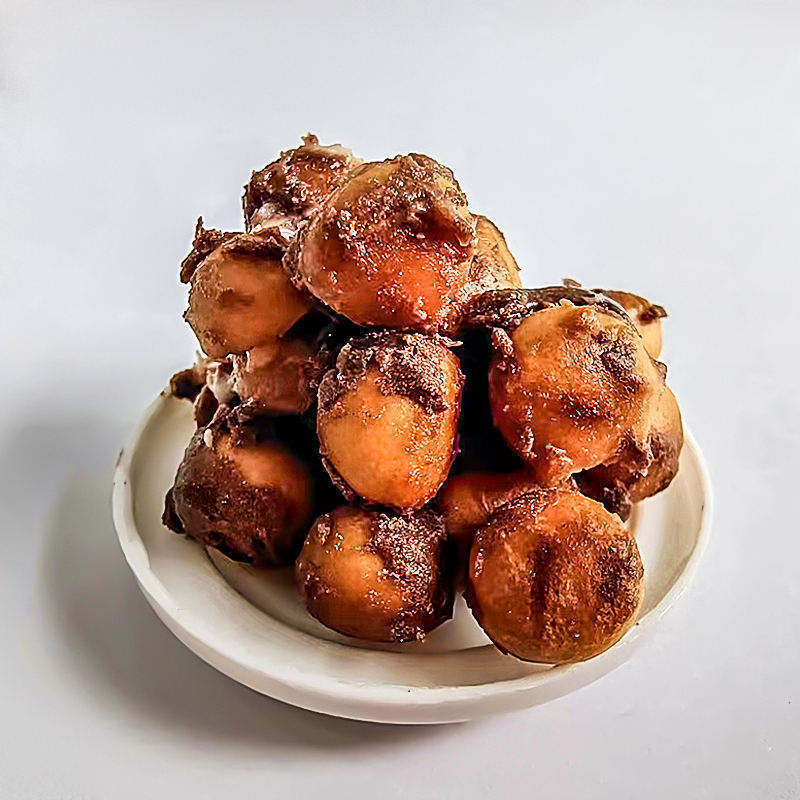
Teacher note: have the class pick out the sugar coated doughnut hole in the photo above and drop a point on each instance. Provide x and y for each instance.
(569, 384)
(251, 499)
(554, 577)
(375, 575)
(387, 418)
(392, 247)
(239, 295)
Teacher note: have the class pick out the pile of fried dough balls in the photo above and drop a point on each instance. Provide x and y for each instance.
(382, 405)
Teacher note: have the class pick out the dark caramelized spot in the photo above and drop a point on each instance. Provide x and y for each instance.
(507, 308)
(297, 183)
(406, 364)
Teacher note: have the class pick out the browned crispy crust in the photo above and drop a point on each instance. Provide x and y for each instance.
(507, 308)
(637, 472)
(554, 577)
(638, 307)
(412, 552)
(207, 240)
(493, 265)
(212, 502)
(407, 364)
(296, 183)
(186, 384)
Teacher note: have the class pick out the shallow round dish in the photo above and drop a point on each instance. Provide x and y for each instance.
(250, 624)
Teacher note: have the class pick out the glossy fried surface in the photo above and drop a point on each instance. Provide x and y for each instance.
(387, 418)
(280, 197)
(466, 501)
(375, 575)
(252, 500)
(239, 295)
(554, 577)
(569, 385)
(392, 247)
(280, 376)
(637, 471)
(493, 266)
(645, 315)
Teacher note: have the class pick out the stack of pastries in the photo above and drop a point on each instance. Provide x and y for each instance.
(382, 405)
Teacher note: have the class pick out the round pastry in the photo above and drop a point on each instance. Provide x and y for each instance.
(239, 295)
(569, 384)
(392, 247)
(281, 376)
(251, 499)
(375, 575)
(468, 500)
(553, 577)
(493, 266)
(387, 417)
(286, 192)
(645, 315)
(639, 471)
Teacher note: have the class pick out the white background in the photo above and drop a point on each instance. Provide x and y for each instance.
(656, 149)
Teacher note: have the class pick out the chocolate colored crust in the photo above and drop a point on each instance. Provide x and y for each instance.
(507, 308)
(207, 240)
(645, 310)
(298, 182)
(186, 384)
(212, 502)
(619, 485)
(205, 406)
(419, 191)
(405, 364)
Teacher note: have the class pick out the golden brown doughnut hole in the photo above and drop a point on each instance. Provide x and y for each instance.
(392, 247)
(376, 576)
(250, 500)
(240, 297)
(553, 577)
(387, 418)
(568, 385)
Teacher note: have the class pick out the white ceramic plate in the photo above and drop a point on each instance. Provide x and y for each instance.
(250, 624)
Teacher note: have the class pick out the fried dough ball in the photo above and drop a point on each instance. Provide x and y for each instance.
(281, 376)
(240, 297)
(392, 247)
(493, 266)
(466, 501)
(553, 577)
(638, 472)
(286, 192)
(645, 315)
(569, 384)
(375, 575)
(252, 500)
(387, 417)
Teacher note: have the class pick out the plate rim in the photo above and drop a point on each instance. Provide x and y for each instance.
(390, 703)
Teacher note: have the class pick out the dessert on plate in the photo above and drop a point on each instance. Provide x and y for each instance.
(384, 408)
